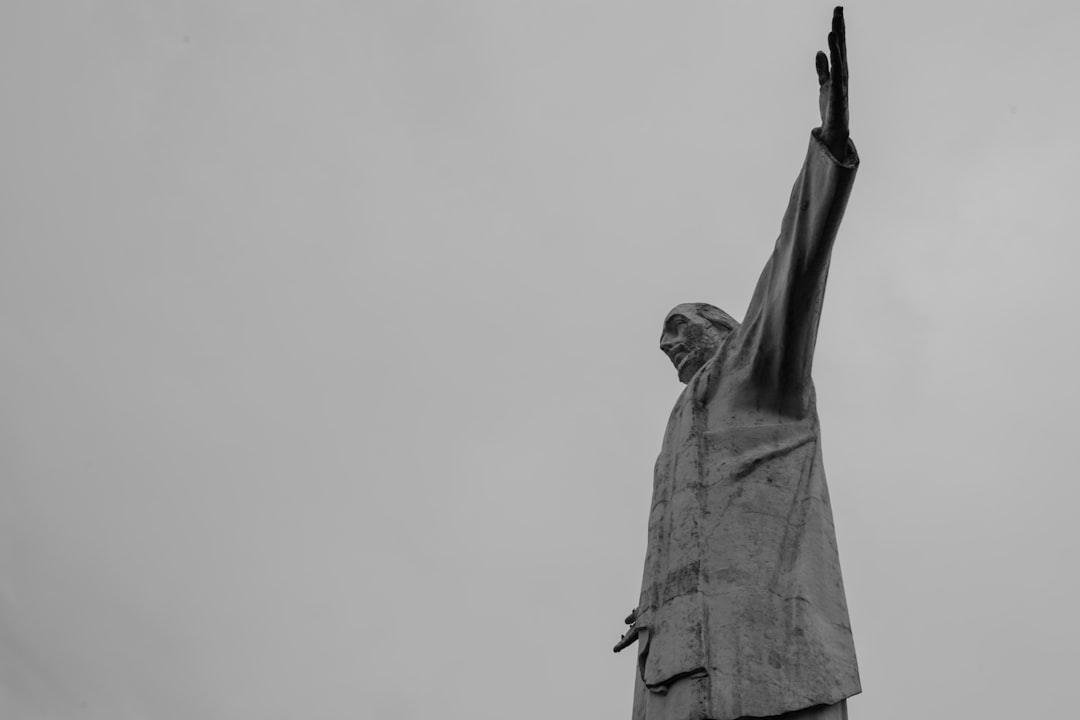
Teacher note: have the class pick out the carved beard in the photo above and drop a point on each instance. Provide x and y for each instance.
(700, 345)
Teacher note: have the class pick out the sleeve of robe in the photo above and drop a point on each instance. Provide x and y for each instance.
(780, 327)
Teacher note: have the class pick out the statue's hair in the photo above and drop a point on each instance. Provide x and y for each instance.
(716, 316)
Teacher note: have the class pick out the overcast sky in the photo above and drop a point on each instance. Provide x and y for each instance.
(329, 381)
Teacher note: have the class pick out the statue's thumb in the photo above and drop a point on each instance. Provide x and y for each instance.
(822, 63)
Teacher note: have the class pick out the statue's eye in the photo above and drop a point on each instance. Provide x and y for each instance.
(674, 323)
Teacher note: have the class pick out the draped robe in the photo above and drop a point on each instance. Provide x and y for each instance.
(742, 609)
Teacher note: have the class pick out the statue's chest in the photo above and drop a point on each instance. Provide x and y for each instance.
(678, 467)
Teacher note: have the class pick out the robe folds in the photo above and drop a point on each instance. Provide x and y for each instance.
(742, 609)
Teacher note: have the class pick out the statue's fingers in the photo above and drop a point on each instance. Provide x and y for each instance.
(840, 28)
(626, 640)
(836, 60)
(822, 63)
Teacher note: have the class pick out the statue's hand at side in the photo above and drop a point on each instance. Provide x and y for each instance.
(631, 635)
(833, 92)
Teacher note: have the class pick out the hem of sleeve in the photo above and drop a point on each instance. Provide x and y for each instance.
(851, 161)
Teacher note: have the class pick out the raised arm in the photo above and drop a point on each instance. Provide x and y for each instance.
(780, 327)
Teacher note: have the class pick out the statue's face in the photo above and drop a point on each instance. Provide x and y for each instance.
(689, 340)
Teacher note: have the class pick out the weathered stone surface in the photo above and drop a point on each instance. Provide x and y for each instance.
(742, 592)
(742, 578)
(742, 610)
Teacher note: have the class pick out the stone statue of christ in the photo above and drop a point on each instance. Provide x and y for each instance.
(742, 611)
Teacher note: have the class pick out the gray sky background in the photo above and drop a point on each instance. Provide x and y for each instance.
(328, 343)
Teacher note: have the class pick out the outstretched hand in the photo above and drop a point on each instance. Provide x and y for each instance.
(631, 635)
(833, 92)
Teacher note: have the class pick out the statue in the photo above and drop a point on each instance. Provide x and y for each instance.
(742, 610)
